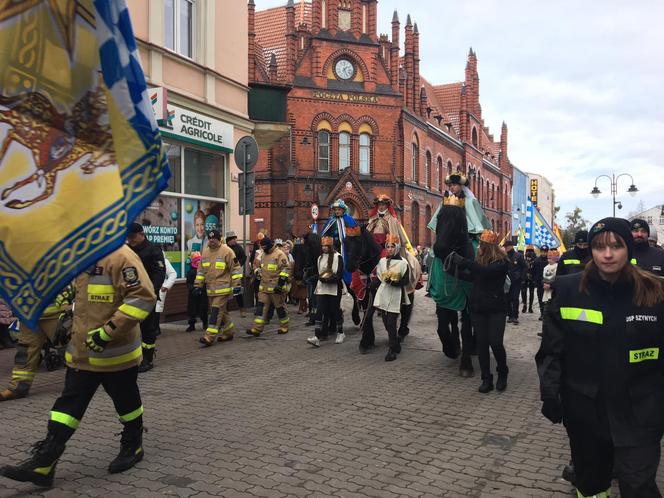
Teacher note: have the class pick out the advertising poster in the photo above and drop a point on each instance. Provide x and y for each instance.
(200, 217)
(161, 223)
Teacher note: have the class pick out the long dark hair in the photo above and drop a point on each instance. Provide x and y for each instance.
(647, 288)
(489, 253)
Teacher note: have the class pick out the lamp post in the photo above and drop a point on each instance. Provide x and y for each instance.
(613, 179)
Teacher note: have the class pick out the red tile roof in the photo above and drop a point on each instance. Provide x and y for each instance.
(270, 25)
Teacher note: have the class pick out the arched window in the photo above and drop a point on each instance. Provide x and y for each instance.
(440, 173)
(415, 160)
(344, 150)
(427, 170)
(365, 154)
(449, 168)
(324, 151)
(415, 223)
(493, 225)
(474, 137)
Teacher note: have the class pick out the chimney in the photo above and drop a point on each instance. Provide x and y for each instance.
(503, 145)
(416, 70)
(291, 41)
(251, 17)
(272, 67)
(394, 52)
(408, 63)
(472, 81)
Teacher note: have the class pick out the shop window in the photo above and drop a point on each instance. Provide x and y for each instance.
(205, 174)
(344, 150)
(365, 154)
(174, 155)
(178, 26)
(161, 222)
(324, 151)
(199, 218)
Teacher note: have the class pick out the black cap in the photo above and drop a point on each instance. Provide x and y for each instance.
(581, 237)
(266, 242)
(544, 248)
(619, 226)
(214, 234)
(638, 224)
(135, 228)
(508, 242)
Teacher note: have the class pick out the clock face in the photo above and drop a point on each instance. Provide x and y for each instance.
(344, 69)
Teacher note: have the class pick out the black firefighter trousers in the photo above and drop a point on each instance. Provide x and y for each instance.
(80, 387)
(596, 459)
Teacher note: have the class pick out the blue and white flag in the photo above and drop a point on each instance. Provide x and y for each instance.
(80, 152)
(538, 231)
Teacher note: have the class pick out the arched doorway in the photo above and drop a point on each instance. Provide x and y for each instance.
(427, 217)
(415, 224)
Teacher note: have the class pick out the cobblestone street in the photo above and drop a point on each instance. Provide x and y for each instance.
(272, 417)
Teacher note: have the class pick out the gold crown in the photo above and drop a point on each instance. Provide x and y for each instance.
(327, 241)
(353, 231)
(392, 239)
(382, 198)
(489, 236)
(453, 200)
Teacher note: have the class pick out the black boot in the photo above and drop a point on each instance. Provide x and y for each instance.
(146, 363)
(391, 355)
(523, 310)
(487, 384)
(501, 383)
(569, 474)
(5, 339)
(466, 366)
(39, 469)
(530, 310)
(131, 450)
(192, 326)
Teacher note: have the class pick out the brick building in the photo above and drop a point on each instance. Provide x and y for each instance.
(363, 120)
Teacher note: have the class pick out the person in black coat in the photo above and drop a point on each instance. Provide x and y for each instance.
(575, 259)
(647, 258)
(152, 258)
(516, 272)
(488, 307)
(601, 366)
(538, 272)
(197, 303)
(241, 256)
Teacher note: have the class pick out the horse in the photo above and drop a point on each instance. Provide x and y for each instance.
(305, 268)
(450, 287)
(363, 257)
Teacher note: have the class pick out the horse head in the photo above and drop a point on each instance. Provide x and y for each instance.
(361, 250)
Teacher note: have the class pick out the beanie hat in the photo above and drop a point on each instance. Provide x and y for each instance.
(266, 242)
(214, 234)
(135, 228)
(619, 226)
(638, 224)
(581, 237)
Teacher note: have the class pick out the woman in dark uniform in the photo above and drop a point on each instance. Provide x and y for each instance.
(601, 366)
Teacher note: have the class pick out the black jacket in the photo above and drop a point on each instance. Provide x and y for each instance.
(573, 261)
(649, 259)
(153, 259)
(604, 356)
(517, 266)
(538, 270)
(239, 254)
(487, 294)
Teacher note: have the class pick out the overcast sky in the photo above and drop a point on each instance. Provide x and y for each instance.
(579, 84)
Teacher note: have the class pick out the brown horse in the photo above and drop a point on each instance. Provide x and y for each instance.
(57, 141)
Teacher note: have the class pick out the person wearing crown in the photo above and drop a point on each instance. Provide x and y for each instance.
(392, 271)
(458, 220)
(383, 221)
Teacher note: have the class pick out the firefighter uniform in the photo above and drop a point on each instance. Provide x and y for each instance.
(601, 369)
(649, 259)
(575, 259)
(220, 273)
(274, 273)
(112, 298)
(30, 343)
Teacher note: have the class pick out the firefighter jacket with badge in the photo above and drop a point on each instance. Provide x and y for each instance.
(573, 261)
(219, 271)
(649, 259)
(153, 261)
(603, 355)
(274, 270)
(115, 294)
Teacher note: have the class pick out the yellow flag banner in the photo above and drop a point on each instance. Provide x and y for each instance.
(556, 232)
(80, 151)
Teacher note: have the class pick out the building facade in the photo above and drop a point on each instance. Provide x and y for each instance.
(197, 74)
(540, 190)
(364, 121)
(520, 193)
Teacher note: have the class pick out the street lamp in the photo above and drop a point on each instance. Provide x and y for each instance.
(613, 179)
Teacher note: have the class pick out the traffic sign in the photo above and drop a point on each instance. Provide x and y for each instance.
(246, 153)
(314, 211)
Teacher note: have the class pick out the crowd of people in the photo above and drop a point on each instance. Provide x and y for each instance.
(601, 305)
